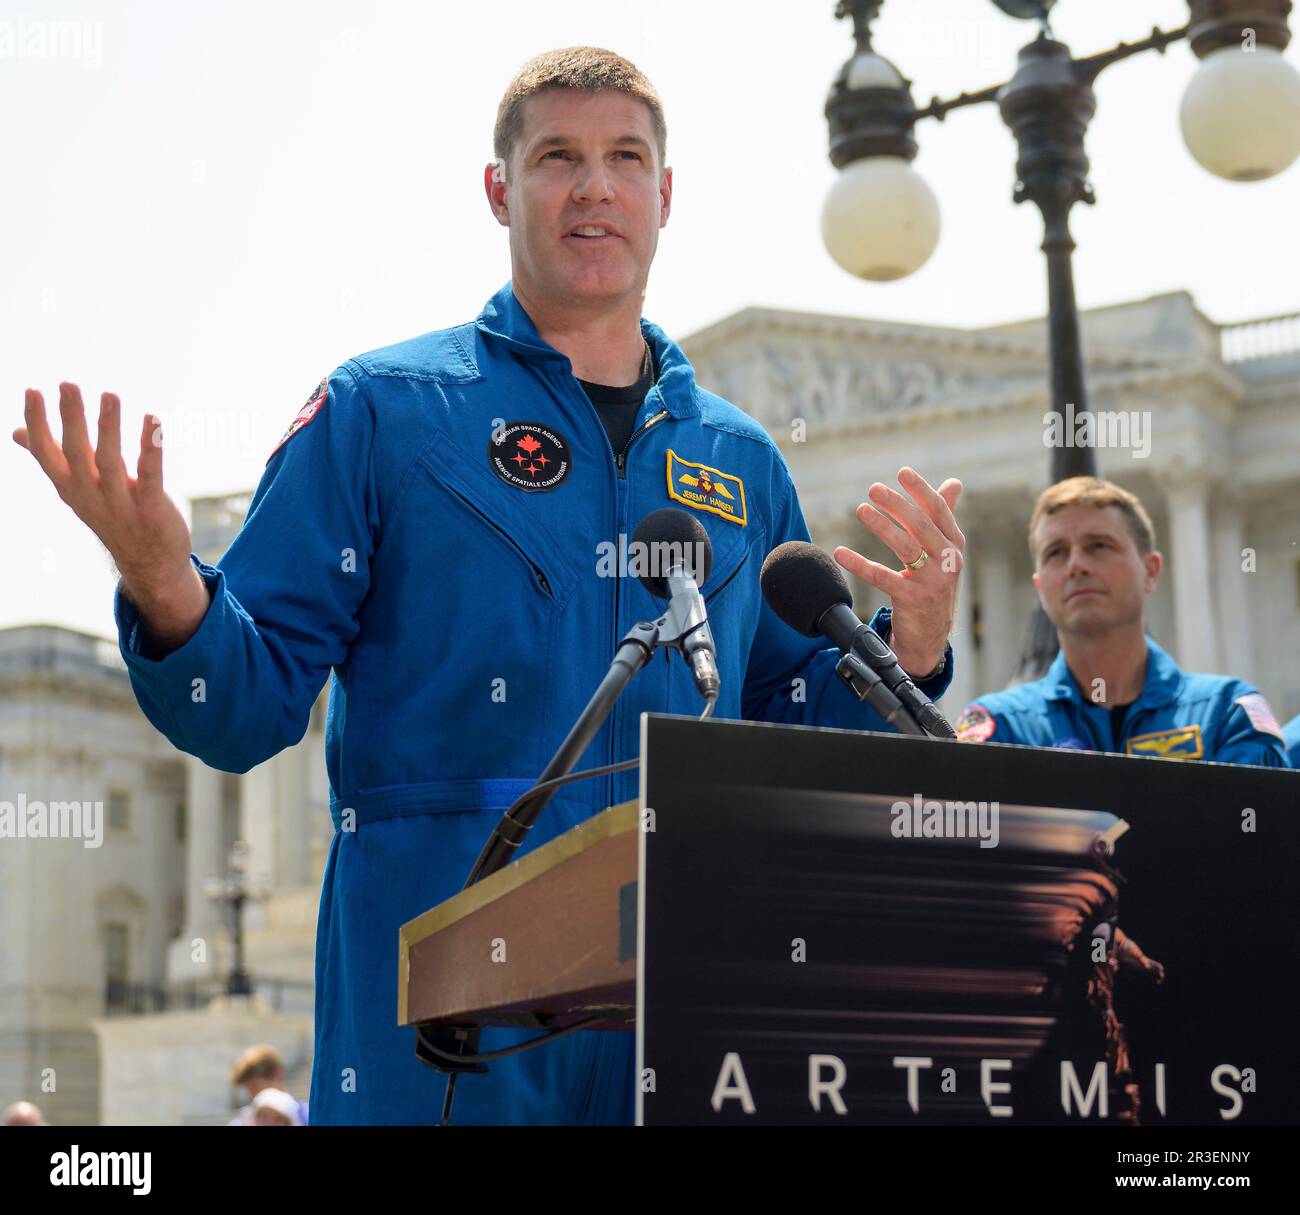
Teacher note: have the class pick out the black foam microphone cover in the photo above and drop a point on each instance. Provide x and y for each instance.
(800, 582)
(671, 527)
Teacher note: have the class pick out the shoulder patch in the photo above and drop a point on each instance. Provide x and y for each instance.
(1261, 716)
(304, 415)
(976, 724)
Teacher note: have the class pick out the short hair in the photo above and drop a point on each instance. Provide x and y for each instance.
(1093, 491)
(582, 68)
(256, 1063)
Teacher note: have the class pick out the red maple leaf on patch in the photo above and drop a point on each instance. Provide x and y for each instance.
(529, 444)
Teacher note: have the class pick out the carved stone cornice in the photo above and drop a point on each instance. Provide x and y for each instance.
(751, 323)
(840, 387)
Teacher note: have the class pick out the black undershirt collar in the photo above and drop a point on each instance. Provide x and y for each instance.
(619, 406)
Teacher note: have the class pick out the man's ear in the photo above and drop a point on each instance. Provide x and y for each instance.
(1038, 586)
(494, 183)
(1153, 563)
(665, 196)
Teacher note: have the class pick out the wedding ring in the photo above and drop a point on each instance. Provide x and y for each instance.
(918, 563)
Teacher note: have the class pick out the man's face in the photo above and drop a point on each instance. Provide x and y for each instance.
(583, 159)
(1091, 577)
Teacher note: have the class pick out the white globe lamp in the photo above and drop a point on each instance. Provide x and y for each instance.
(1240, 115)
(880, 220)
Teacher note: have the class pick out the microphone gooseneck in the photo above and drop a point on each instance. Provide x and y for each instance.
(675, 556)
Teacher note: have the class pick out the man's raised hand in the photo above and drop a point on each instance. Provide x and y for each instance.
(924, 535)
(142, 528)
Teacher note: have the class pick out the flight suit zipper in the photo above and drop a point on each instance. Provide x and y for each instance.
(620, 461)
(620, 465)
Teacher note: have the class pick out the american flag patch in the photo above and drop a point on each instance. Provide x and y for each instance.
(1261, 716)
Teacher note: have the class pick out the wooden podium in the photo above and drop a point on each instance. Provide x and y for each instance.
(566, 914)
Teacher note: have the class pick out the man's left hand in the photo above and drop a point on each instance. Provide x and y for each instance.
(924, 597)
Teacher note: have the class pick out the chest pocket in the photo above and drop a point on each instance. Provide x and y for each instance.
(495, 509)
(731, 547)
(731, 594)
(734, 567)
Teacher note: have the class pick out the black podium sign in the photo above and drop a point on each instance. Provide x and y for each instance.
(824, 939)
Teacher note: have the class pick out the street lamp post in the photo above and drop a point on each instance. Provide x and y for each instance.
(1240, 119)
(234, 891)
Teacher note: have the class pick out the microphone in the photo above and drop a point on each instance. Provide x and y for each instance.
(805, 588)
(680, 558)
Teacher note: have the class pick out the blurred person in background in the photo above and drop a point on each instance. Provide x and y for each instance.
(259, 1069)
(1111, 688)
(274, 1107)
(24, 1113)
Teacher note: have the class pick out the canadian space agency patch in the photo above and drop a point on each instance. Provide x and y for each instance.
(529, 456)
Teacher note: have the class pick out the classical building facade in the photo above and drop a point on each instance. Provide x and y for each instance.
(849, 401)
(76, 916)
(92, 934)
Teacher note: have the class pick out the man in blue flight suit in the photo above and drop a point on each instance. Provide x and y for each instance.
(1291, 736)
(433, 530)
(1111, 688)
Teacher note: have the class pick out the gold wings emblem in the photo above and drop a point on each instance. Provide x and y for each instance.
(706, 484)
(1181, 743)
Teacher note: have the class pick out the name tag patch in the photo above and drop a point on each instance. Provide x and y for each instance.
(709, 489)
(1184, 742)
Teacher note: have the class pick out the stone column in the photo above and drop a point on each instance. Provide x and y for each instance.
(203, 860)
(965, 684)
(273, 818)
(993, 571)
(1190, 559)
(292, 814)
(258, 811)
(1233, 585)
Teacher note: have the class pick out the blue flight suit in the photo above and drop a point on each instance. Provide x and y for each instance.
(1177, 716)
(436, 529)
(1291, 736)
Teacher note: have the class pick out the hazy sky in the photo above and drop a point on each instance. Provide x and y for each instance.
(205, 208)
